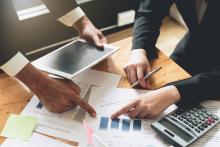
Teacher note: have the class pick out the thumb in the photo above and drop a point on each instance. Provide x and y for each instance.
(97, 41)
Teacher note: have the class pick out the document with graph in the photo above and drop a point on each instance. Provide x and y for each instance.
(68, 125)
(123, 131)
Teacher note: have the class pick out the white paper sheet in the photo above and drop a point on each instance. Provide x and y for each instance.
(106, 101)
(37, 140)
(211, 138)
(67, 125)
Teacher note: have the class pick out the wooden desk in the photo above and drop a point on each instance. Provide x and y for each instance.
(14, 95)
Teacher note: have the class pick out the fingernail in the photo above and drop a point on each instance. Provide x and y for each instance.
(94, 114)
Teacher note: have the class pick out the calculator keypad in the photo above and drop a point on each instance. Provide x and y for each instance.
(197, 118)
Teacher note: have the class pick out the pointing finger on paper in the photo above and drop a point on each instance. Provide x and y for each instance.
(124, 110)
(84, 105)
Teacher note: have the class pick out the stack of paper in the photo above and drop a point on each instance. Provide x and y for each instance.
(68, 125)
(121, 132)
(99, 89)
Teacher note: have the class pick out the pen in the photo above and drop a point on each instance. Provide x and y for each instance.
(147, 76)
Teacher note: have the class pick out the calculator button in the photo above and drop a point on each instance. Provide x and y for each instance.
(180, 118)
(189, 119)
(195, 109)
(205, 115)
(208, 123)
(196, 114)
(215, 117)
(186, 122)
(197, 130)
(174, 114)
(193, 117)
(191, 125)
(200, 112)
(194, 123)
(184, 116)
(209, 113)
(204, 125)
(178, 112)
(198, 121)
(187, 114)
(191, 111)
(203, 110)
(201, 118)
(201, 128)
(211, 120)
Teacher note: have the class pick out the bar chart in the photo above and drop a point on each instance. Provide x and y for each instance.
(124, 125)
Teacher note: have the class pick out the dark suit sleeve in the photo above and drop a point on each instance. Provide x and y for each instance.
(147, 24)
(200, 87)
(59, 8)
(9, 35)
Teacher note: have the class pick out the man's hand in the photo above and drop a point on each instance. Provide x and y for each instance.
(89, 32)
(137, 67)
(56, 95)
(151, 104)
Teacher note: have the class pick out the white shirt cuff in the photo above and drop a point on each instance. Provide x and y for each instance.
(15, 64)
(71, 17)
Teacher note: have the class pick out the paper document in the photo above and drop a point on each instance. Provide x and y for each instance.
(68, 125)
(121, 132)
(37, 140)
(211, 138)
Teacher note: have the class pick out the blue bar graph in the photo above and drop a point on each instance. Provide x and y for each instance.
(126, 125)
(115, 123)
(104, 123)
(39, 105)
(137, 125)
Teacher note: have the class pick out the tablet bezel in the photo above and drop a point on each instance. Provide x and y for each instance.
(67, 75)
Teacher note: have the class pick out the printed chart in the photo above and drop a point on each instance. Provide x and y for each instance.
(124, 125)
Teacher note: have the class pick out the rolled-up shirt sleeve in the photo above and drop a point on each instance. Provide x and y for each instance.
(71, 17)
(14, 65)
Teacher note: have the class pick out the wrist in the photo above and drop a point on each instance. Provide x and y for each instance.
(139, 51)
(81, 24)
(31, 77)
(172, 94)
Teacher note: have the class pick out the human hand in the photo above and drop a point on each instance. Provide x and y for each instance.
(89, 32)
(57, 95)
(151, 104)
(137, 67)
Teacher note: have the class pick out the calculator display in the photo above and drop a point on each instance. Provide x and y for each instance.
(177, 131)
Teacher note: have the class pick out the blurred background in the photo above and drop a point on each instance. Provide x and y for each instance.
(43, 34)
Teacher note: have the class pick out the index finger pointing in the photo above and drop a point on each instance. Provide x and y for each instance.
(123, 110)
(84, 105)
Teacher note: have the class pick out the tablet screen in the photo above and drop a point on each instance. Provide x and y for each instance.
(73, 58)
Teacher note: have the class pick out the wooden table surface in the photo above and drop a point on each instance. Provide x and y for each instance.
(14, 95)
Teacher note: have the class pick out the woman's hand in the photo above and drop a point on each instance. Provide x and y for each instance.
(151, 104)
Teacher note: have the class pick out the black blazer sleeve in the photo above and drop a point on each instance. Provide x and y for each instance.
(147, 24)
(200, 87)
(9, 34)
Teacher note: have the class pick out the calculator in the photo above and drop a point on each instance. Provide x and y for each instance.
(183, 126)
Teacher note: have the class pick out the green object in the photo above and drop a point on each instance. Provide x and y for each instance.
(19, 127)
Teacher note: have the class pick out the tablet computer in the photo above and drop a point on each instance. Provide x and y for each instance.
(73, 58)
